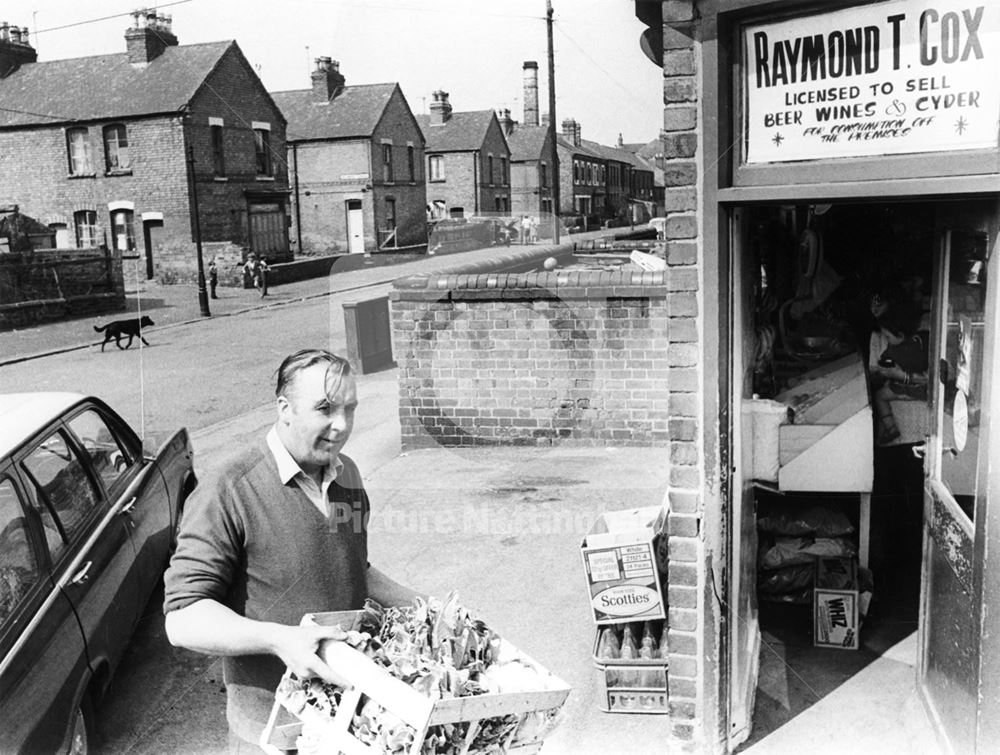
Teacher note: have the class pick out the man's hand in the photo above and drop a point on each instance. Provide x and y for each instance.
(298, 647)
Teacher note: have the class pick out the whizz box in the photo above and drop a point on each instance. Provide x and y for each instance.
(623, 570)
(835, 604)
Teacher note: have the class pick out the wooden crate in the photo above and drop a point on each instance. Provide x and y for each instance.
(406, 703)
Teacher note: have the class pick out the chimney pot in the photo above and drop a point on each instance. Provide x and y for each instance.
(150, 35)
(15, 35)
(440, 107)
(4, 32)
(327, 81)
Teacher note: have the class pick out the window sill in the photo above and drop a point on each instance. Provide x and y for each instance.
(436, 180)
(224, 179)
(113, 173)
(265, 178)
(81, 175)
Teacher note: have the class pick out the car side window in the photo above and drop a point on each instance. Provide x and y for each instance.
(19, 567)
(109, 457)
(62, 484)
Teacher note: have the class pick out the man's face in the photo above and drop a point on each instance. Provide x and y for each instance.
(316, 416)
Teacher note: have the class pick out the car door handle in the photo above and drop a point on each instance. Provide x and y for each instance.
(81, 576)
(127, 508)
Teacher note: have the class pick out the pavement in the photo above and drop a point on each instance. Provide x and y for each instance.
(179, 304)
(503, 527)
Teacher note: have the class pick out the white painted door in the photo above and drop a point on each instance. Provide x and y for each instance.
(355, 227)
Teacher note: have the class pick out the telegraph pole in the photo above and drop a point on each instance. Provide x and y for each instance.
(552, 126)
(202, 291)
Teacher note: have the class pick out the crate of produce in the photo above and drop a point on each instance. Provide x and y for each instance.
(424, 679)
(631, 663)
(624, 557)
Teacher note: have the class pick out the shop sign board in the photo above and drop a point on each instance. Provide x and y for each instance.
(622, 566)
(902, 77)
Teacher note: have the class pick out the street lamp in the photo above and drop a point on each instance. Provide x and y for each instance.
(202, 290)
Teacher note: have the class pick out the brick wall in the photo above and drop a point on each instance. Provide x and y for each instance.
(458, 189)
(322, 192)
(690, 707)
(539, 358)
(34, 161)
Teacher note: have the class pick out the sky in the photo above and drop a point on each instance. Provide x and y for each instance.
(472, 49)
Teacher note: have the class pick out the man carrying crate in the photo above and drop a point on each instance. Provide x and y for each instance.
(279, 531)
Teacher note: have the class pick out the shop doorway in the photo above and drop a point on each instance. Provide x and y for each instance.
(848, 443)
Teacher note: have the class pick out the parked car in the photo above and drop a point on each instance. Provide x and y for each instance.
(87, 520)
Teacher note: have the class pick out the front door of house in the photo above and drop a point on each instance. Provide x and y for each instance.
(957, 628)
(355, 227)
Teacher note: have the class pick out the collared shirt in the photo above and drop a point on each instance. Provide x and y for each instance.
(290, 471)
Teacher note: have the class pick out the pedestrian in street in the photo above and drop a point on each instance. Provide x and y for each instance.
(262, 270)
(213, 277)
(525, 229)
(277, 532)
(250, 271)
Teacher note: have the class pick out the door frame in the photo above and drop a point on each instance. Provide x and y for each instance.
(984, 528)
(360, 210)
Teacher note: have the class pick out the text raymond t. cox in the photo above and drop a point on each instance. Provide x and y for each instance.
(625, 600)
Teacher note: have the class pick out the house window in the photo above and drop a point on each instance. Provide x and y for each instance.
(503, 171)
(262, 142)
(78, 145)
(500, 205)
(547, 206)
(85, 224)
(218, 152)
(387, 163)
(543, 174)
(411, 162)
(116, 158)
(436, 163)
(122, 233)
(489, 170)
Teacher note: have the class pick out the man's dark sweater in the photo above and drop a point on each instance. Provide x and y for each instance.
(264, 550)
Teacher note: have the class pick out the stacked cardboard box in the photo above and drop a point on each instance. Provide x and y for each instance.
(624, 559)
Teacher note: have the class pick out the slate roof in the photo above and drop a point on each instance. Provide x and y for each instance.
(463, 132)
(610, 153)
(583, 149)
(354, 113)
(100, 87)
(526, 142)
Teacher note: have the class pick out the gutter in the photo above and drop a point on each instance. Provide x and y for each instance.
(475, 181)
(298, 204)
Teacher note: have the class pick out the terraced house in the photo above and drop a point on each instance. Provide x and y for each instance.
(357, 165)
(99, 148)
(468, 161)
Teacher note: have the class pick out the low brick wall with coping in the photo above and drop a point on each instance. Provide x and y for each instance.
(538, 358)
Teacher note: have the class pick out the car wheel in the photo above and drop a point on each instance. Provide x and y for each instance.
(81, 740)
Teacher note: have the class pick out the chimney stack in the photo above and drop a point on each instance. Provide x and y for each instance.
(149, 35)
(506, 122)
(440, 108)
(530, 93)
(15, 49)
(327, 81)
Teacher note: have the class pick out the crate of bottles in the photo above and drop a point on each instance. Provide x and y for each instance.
(631, 663)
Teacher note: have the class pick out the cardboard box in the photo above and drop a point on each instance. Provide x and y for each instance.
(836, 614)
(623, 565)
(372, 681)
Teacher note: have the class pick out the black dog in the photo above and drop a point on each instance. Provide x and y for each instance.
(121, 328)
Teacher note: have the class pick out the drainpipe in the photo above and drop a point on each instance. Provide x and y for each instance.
(475, 182)
(298, 204)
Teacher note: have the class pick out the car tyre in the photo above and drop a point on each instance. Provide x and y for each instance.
(82, 739)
